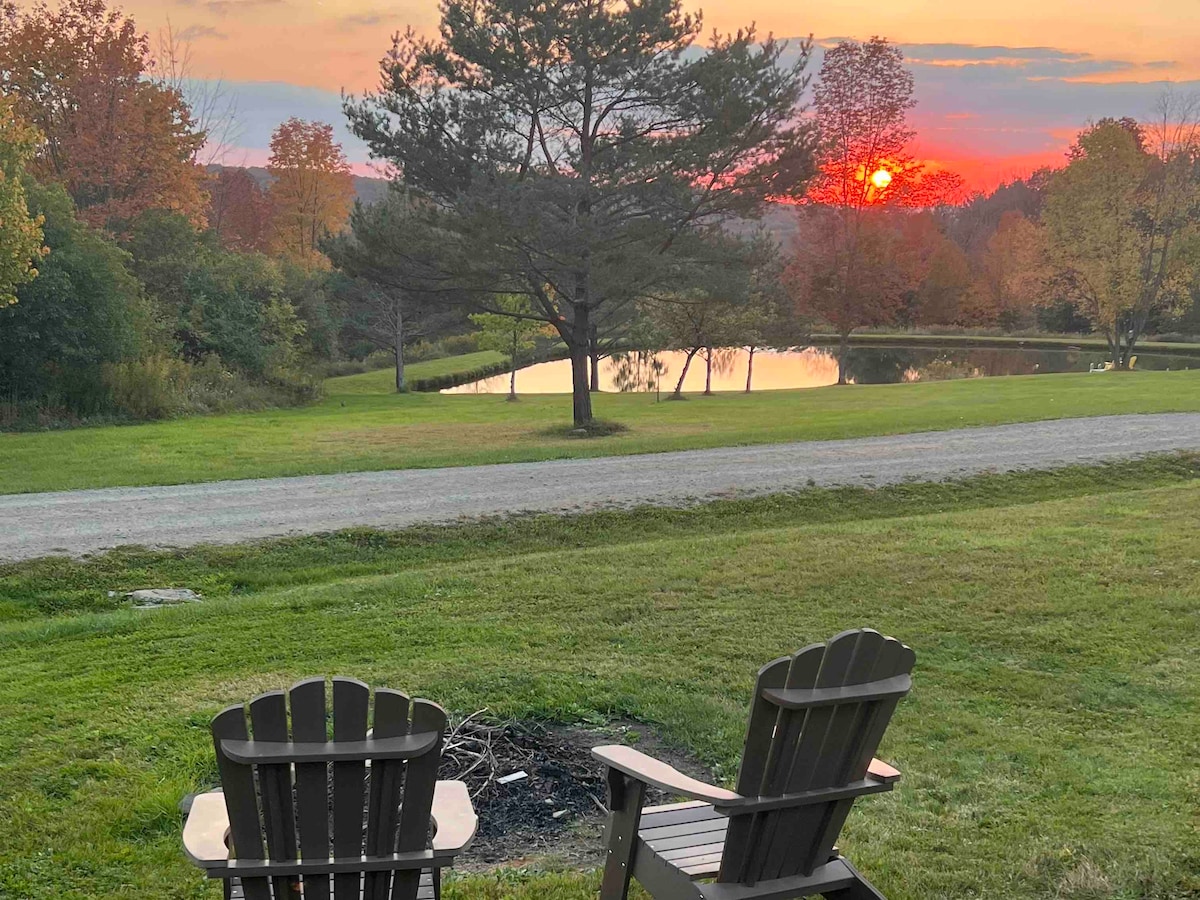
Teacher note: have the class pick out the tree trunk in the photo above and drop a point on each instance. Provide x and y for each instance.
(512, 361)
(398, 346)
(1127, 356)
(843, 356)
(678, 394)
(749, 368)
(708, 353)
(594, 358)
(1132, 337)
(1114, 344)
(581, 396)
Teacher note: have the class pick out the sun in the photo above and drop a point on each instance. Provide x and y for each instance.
(881, 178)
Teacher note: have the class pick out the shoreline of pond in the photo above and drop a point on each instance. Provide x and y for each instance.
(872, 360)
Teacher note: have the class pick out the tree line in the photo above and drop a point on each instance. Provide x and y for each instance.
(581, 155)
(589, 170)
(1109, 242)
(136, 281)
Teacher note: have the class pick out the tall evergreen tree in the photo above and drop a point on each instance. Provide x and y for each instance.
(576, 150)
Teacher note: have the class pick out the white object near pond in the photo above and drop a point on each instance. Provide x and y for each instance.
(515, 776)
(154, 598)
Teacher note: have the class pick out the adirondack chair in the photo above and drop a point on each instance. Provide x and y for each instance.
(358, 817)
(816, 720)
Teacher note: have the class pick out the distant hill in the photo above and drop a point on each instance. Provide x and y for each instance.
(368, 190)
(779, 218)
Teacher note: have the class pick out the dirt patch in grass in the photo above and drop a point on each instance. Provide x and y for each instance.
(554, 814)
(597, 428)
(418, 436)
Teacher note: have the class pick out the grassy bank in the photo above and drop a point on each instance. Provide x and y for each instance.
(1048, 746)
(361, 425)
(1027, 342)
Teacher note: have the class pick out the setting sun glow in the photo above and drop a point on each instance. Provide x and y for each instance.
(881, 178)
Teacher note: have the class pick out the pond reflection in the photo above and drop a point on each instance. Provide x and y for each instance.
(645, 371)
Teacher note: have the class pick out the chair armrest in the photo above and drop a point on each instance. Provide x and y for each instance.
(206, 829)
(207, 826)
(453, 816)
(650, 771)
(881, 771)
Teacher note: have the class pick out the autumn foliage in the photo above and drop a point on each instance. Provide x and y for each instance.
(1012, 274)
(20, 233)
(119, 142)
(312, 189)
(860, 102)
(239, 211)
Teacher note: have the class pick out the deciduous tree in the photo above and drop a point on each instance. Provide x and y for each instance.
(119, 142)
(392, 253)
(1012, 275)
(312, 189)
(20, 233)
(698, 323)
(211, 104)
(239, 211)
(1120, 217)
(757, 326)
(853, 277)
(511, 332)
(212, 300)
(845, 269)
(567, 147)
(940, 295)
(83, 310)
(861, 101)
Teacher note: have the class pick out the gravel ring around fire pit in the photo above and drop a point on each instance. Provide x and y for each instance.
(555, 811)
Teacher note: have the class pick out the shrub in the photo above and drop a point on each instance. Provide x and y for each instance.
(83, 310)
(451, 345)
(378, 359)
(162, 386)
(152, 388)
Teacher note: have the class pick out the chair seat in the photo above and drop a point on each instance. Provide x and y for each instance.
(690, 836)
(425, 892)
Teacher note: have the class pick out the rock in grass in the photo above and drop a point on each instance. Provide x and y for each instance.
(153, 598)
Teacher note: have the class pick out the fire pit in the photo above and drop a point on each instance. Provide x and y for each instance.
(535, 786)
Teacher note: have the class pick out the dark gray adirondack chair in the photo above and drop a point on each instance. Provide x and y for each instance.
(358, 817)
(815, 723)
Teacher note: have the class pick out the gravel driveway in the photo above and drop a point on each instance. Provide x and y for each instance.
(79, 522)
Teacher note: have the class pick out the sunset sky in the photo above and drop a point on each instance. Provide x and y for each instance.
(1001, 87)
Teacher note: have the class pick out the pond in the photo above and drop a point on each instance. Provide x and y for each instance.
(810, 367)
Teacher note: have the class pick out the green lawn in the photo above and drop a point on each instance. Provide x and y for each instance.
(1049, 745)
(361, 425)
(1042, 341)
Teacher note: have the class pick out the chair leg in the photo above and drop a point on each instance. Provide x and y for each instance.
(625, 802)
(860, 890)
(437, 884)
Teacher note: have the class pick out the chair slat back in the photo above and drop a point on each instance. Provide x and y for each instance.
(794, 748)
(340, 808)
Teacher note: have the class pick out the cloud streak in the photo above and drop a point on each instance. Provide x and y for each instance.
(223, 8)
(200, 32)
(991, 111)
(371, 19)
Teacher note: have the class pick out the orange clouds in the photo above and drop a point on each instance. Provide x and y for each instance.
(337, 43)
(1001, 88)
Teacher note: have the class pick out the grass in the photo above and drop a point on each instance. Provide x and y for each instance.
(383, 381)
(1028, 341)
(1048, 746)
(361, 425)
